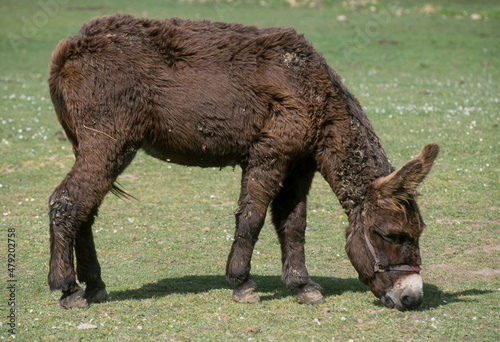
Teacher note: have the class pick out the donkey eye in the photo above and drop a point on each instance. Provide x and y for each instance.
(391, 238)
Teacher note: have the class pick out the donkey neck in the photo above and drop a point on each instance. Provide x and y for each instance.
(363, 161)
(354, 159)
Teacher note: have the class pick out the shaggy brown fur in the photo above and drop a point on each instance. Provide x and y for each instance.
(217, 94)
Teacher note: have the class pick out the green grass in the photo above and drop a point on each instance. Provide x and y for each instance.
(421, 78)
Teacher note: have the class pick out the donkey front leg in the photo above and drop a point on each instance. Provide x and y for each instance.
(249, 221)
(258, 187)
(289, 219)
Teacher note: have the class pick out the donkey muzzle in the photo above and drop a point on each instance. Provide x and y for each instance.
(407, 294)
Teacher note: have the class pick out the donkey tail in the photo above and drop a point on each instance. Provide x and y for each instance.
(57, 92)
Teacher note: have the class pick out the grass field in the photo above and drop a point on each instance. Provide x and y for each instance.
(425, 71)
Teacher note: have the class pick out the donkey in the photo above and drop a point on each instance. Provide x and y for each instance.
(217, 94)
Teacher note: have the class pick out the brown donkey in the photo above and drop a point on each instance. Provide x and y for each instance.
(217, 94)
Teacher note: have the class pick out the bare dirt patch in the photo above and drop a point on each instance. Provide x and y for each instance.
(487, 273)
(484, 250)
(461, 274)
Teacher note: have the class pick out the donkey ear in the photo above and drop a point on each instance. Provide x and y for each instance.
(404, 181)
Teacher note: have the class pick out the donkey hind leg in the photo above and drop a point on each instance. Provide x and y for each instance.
(72, 208)
(258, 187)
(289, 218)
(88, 269)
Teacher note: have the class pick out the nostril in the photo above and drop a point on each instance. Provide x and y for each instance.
(406, 300)
(410, 301)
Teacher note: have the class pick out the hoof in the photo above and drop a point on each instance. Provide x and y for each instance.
(74, 299)
(96, 295)
(246, 293)
(310, 294)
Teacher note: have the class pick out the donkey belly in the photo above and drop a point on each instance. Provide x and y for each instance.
(201, 130)
(203, 154)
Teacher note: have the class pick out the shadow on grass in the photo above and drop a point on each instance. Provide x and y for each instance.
(269, 287)
(434, 298)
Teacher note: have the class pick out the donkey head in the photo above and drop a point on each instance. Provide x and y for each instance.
(383, 234)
